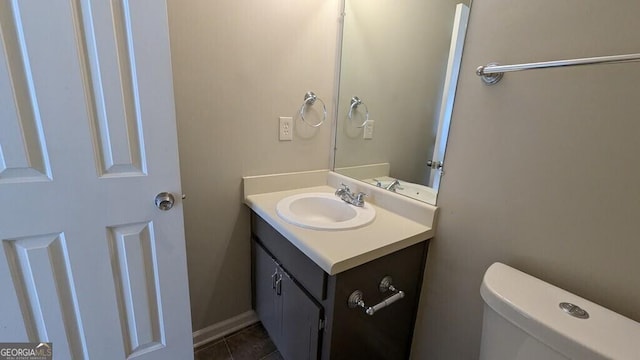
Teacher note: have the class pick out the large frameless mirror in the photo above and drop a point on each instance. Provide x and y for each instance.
(398, 72)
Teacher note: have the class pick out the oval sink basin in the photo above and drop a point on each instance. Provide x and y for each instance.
(323, 211)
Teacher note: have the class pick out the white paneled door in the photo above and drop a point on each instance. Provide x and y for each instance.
(87, 140)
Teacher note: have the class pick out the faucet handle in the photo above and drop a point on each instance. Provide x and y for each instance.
(359, 200)
(342, 191)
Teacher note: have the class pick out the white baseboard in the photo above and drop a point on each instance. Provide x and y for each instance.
(218, 330)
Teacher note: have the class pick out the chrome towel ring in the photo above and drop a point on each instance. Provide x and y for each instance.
(355, 102)
(309, 99)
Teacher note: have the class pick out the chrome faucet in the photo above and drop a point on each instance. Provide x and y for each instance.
(347, 196)
(395, 184)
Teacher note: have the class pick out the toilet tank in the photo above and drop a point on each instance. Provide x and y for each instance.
(523, 320)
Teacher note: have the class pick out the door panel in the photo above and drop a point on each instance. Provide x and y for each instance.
(267, 302)
(300, 323)
(43, 285)
(22, 152)
(134, 264)
(94, 266)
(110, 62)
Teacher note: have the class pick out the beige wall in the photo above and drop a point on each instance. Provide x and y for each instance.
(238, 66)
(542, 169)
(394, 58)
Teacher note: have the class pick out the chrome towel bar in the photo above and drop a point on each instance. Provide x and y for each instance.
(492, 73)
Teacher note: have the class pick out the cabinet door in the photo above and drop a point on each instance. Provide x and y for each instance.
(267, 302)
(300, 323)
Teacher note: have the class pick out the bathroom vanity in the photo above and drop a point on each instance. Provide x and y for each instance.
(306, 311)
(346, 294)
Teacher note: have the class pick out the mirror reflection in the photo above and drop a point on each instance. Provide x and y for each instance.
(398, 72)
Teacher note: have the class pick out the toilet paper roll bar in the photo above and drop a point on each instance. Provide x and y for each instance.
(356, 299)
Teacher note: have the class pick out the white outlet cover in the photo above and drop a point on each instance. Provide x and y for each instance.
(368, 130)
(286, 129)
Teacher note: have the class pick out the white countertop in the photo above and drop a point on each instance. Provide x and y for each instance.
(339, 250)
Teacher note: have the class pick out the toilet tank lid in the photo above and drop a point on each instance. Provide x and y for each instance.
(533, 305)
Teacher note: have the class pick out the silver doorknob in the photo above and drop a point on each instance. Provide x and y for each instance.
(164, 201)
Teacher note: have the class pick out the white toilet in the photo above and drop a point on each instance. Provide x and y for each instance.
(523, 320)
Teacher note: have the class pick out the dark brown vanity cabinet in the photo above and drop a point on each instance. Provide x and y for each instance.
(306, 311)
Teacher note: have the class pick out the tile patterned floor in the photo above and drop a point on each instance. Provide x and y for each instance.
(251, 343)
